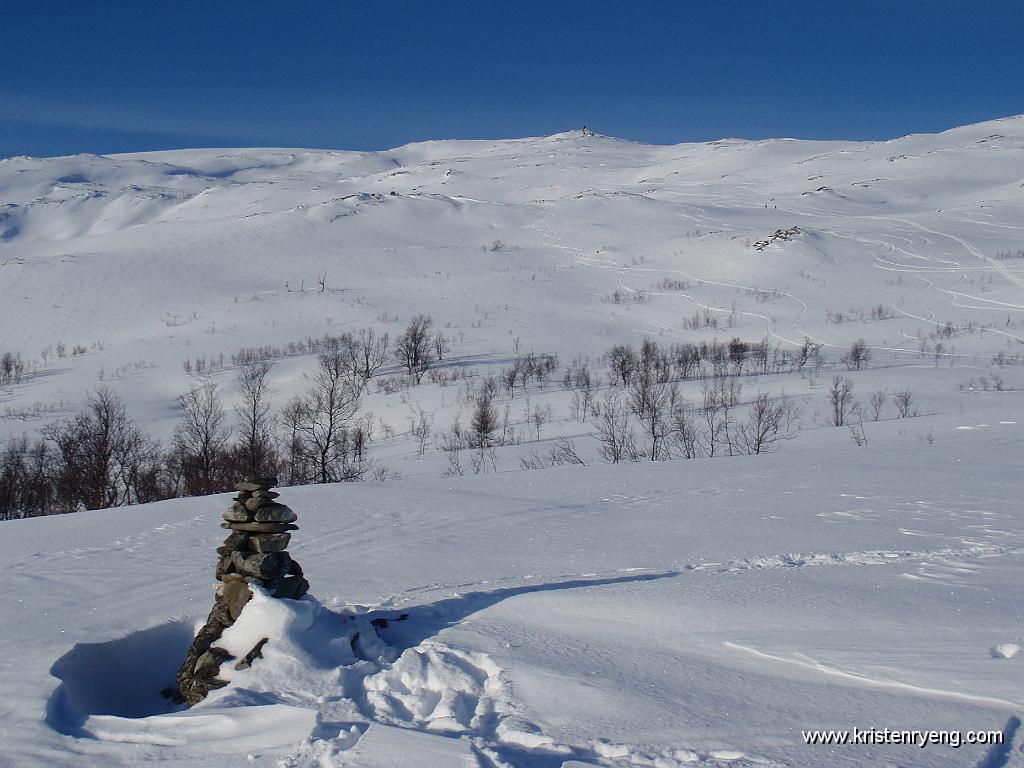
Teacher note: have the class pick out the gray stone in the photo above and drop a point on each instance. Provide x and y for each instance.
(256, 484)
(208, 665)
(237, 513)
(272, 565)
(235, 595)
(251, 656)
(265, 494)
(237, 561)
(291, 588)
(260, 527)
(275, 513)
(237, 540)
(224, 567)
(270, 542)
(256, 502)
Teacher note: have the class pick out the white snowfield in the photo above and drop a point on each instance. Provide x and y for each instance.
(673, 614)
(682, 613)
(600, 241)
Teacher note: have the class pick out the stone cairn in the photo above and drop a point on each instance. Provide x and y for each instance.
(253, 553)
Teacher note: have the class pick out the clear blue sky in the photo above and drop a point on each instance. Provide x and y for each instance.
(123, 75)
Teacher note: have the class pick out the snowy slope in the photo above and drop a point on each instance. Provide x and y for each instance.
(697, 613)
(687, 613)
(189, 252)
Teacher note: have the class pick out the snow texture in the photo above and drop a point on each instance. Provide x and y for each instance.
(685, 613)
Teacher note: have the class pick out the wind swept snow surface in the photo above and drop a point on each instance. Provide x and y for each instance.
(570, 243)
(660, 614)
(624, 616)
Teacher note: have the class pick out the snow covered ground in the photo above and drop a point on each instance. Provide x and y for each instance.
(200, 253)
(697, 612)
(670, 614)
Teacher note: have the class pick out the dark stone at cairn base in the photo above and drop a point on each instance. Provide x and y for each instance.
(292, 588)
(251, 656)
(196, 680)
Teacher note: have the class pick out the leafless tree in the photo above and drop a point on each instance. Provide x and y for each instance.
(767, 423)
(326, 415)
(453, 443)
(101, 454)
(877, 402)
(296, 463)
(857, 433)
(483, 423)
(27, 479)
(540, 416)
(622, 363)
(562, 453)
(510, 376)
(420, 427)
(582, 400)
(616, 439)
(369, 352)
(255, 447)
(483, 460)
(12, 368)
(414, 348)
(721, 395)
(685, 435)
(809, 352)
(759, 354)
(653, 403)
(442, 345)
(201, 440)
(903, 399)
(840, 398)
(858, 356)
(543, 368)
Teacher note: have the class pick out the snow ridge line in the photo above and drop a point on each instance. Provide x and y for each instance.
(867, 557)
(862, 679)
(766, 562)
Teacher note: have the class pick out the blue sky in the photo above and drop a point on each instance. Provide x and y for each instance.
(129, 76)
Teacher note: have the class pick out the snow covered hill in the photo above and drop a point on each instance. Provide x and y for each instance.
(569, 242)
(660, 614)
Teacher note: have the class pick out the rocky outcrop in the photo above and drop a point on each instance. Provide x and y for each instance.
(254, 552)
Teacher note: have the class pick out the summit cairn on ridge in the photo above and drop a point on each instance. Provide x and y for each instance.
(254, 553)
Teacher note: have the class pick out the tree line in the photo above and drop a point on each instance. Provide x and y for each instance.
(100, 457)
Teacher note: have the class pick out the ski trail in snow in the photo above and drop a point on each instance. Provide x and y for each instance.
(806, 662)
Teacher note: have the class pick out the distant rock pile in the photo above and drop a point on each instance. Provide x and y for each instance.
(253, 553)
(778, 234)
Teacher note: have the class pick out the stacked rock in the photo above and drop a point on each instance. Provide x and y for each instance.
(253, 553)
